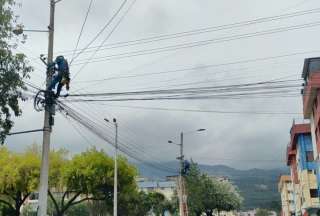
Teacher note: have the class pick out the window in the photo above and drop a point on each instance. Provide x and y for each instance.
(309, 156)
(310, 171)
(313, 193)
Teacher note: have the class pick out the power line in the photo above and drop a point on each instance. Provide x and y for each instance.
(230, 159)
(81, 31)
(79, 132)
(102, 30)
(206, 111)
(263, 89)
(237, 96)
(213, 81)
(93, 116)
(108, 36)
(281, 94)
(201, 67)
(204, 30)
(92, 126)
(197, 43)
(193, 68)
(253, 85)
(34, 86)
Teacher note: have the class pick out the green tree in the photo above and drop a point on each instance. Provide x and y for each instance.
(206, 195)
(263, 212)
(228, 199)
(13, 70)
(5, 210)
(157, 201)
(194, 185)
(210, 195)
(134, 203)
(18, 178)
(140, 203)
(98, 208)
(28, 211)
(169, 206)
(88, 177)
(79, 210)
(275, 206)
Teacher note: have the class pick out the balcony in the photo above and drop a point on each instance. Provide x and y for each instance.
(297, 129)
(291, 153)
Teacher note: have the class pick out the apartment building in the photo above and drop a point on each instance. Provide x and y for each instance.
(300, 158)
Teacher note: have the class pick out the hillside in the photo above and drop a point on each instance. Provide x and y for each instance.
(257, 186)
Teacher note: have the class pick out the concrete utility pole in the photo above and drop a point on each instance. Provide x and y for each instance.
(44, 172)
(115, 185)
(183, 207)
(181, 157)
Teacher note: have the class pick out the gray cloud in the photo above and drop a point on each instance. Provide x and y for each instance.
(240, 138)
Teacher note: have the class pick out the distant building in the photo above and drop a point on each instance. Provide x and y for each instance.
(285, 188)
(220, 178)
(253, 213)
(172, 178)
(167, 188)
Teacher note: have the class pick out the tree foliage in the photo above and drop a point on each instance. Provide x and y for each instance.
(263, 212)
(207, 195)
(87, 177)
(14, 69)
(81, 185)
(195, 190)
(141, 204)
(18, 178)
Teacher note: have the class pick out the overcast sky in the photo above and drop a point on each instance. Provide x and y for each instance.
(239, 140)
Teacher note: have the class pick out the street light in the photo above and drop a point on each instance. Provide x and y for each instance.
(201, 129)
(169, 141)
(18, 30)
(115, 185)
(188, 132)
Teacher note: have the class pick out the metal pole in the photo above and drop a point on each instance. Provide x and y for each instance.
(23, 132)
(115, 185)
(44, 172)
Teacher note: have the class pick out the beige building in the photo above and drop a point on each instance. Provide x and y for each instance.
(308, 190)
(286, 190)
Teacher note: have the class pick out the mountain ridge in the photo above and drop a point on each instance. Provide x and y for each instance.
(258, 186)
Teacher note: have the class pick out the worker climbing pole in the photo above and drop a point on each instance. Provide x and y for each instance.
(60, 76)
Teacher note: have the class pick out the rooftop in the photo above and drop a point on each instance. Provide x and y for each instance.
(310, 65)
(156, 184)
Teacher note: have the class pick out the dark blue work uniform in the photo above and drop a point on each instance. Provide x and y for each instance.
(62, 67)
